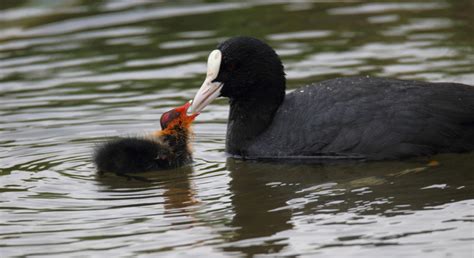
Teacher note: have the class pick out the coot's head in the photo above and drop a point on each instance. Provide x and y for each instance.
(177, 117)
(242, 68)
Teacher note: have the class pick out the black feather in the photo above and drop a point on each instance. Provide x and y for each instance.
(363, 116)
(135, 155)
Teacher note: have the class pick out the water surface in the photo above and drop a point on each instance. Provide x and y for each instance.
(73, 73)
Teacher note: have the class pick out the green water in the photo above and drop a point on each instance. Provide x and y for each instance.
(73, 73)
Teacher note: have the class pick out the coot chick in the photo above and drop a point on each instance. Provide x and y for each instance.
(362, 117)
(165, 149)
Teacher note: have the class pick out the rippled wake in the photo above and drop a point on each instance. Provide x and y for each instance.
(74, 74)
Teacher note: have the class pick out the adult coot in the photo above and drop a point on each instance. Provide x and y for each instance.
(354, 117)
(165, 149)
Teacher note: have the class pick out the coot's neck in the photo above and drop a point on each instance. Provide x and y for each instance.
(248, 118)
(178, 142)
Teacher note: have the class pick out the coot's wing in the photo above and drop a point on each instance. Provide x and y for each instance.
(374, 117)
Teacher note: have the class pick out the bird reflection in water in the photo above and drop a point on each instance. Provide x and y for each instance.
(178, 192)
(269, 197)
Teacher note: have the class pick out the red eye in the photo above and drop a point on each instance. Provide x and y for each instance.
(231, 66)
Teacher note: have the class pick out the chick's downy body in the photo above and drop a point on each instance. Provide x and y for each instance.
(165, 149)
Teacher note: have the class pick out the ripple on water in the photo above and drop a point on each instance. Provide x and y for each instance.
(73, 75)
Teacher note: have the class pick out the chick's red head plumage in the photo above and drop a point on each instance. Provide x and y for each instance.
(177, 117)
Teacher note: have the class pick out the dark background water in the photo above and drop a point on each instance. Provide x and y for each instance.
(73, 73)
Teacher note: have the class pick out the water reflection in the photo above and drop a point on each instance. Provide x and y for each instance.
(174, 184)
(75, 72)
(269, 197)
